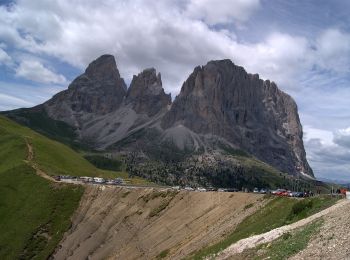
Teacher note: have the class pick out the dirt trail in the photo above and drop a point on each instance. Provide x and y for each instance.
(30, 161)
(117, 223)
(253, 241)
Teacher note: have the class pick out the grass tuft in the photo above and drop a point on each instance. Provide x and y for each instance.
(287, 245)
(163, 254)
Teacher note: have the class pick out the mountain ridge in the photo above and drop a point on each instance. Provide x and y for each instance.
(220, 107)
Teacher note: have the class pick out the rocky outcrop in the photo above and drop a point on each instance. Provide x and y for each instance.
(146, 93)
(222, 99)
(101, 108)
(100, 90)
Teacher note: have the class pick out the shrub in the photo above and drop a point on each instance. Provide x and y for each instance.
(301, 206)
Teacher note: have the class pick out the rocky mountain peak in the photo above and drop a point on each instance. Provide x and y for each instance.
(221, 99)
(146, 93)
(146, 82)
(103, 67)
(98, 91)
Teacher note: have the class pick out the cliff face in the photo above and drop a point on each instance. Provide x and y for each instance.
(100, 90)
(221, 99)
(101, 108)
(146, 93)
(219, 104)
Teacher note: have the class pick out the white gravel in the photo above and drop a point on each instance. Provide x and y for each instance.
(253, 241)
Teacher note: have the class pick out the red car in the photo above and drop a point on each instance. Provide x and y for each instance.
(280, 192)
(285, 193)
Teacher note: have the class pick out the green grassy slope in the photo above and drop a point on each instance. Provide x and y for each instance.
(35, 212)
(53, 157)
(286, 246)
(278, 212)
(38, 120)
(56, 158)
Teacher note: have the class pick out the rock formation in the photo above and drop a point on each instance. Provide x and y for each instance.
(100, 90)
(220, 106)
(146, 93)
(222, 99)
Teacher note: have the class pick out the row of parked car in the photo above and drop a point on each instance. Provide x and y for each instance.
(284, 193)
(85, 179)
(288, 193)
(202, 189)
(119, 181)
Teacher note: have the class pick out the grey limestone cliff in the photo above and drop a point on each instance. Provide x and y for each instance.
(222, 99)
(146, 93)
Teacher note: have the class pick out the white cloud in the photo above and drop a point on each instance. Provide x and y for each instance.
(165, 35)
(35, 71)
(160, 35)
(15, 95)
(325, 137)
(222, 12)
(328, 152)
(333, 48)
(279, 57)
(4, 57)
(342, 137)
(10, 102)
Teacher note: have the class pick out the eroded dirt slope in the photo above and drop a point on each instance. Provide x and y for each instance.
(120, 223)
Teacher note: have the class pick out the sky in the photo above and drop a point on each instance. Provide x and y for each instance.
(303, 46)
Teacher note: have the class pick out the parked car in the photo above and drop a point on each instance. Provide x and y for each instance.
(256, 190)
(99, 180)
(279, 192)
(299, 194)
(119, 181)
(231, 190)
(293, 194)
(285, 193)
(263, 191)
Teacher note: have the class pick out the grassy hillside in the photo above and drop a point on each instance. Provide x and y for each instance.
(38, 120)
(53, 157)
(278, 212)
(35, 212)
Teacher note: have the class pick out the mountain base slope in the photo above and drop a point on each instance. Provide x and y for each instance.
(120, 223)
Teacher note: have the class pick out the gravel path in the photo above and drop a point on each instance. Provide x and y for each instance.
(332, 242)
(253, 241)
